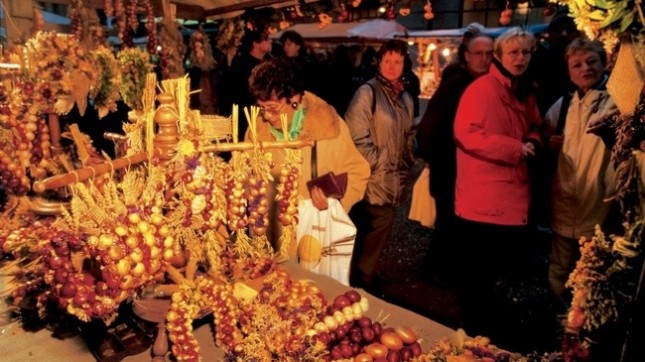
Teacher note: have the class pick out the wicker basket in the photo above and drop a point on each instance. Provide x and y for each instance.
(216, 128)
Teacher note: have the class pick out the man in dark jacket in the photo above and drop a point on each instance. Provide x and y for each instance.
(255, 46)
(436, 144)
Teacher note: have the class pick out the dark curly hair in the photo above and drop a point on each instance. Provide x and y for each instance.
(294, 37)
(274, 79)
(395, 46)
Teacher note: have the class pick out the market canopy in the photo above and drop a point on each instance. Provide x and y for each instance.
(378, 29)
(450, 33)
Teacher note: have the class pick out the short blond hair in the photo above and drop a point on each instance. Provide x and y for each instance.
(512, 34)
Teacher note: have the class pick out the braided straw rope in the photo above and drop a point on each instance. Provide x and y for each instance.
(626, 80)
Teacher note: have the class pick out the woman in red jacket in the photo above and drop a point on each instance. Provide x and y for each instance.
(496, 133)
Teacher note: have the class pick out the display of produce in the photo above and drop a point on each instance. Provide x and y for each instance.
(172, 219)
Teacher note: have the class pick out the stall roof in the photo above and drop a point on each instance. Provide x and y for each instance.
(200, 9)
(448, 33)
(377, 29)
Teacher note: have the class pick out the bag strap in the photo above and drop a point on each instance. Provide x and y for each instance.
(314, 161)
(564, 108)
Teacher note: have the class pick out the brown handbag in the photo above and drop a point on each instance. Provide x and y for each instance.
(332, 185)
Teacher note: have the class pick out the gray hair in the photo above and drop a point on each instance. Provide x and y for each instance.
(512, 34)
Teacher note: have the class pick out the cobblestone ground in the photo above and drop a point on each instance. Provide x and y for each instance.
(526, 302)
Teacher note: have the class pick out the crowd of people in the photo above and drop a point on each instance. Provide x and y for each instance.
(514, 137)
(503, 164)
(515, 150)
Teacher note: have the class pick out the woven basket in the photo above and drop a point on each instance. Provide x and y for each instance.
(216, 128)
(626, 80)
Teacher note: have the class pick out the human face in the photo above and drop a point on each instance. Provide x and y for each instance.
(291, 49)
(585, 69)
(516, 54)
(263, 46)
(271, 110)
(479, 55)
(391, 66)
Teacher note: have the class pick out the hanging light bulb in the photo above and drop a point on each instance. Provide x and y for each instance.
(445, 52)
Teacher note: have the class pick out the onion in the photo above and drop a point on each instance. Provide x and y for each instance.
(353, 296)
(357, 310)
(391, 340)
(123, 267)
(406, 333)
(68, 290)
(363, 357)
(330, 322)
(340, 317)
(364, 304)
(376, 350)
(320, 327)
(348, 313)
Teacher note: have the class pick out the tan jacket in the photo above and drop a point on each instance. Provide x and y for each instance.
(585, 174)
(336, 150)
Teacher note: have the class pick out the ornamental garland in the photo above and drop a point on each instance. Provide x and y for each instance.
(607, 20)
(135, 65)
(106, 93)
(62, 70)
(201, 54)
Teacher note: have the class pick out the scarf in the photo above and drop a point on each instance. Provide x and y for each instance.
(294, 128)
(521, 86)
(395, 88)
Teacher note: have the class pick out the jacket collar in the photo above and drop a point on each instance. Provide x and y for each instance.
(321, 121)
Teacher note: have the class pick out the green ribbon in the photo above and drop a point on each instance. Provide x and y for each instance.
(294, 128)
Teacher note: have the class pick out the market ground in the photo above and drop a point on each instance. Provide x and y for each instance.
(527, 304)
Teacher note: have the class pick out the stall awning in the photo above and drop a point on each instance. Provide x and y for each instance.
(449, 33)
(377, 29)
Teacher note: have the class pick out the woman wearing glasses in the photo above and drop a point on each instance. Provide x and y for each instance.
(279, 89)
(496, 132)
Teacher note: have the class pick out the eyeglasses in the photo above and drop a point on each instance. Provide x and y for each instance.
(271, 108)
(516, 53)
(482, 54)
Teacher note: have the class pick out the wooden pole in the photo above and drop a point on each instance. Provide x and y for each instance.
(246, 146)
(88, 172)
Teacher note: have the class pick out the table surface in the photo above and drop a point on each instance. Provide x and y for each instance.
(19, 345)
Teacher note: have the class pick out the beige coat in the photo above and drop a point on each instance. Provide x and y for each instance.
(336, 151)
(585, 174)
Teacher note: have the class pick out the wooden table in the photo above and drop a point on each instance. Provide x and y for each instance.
(17, 345)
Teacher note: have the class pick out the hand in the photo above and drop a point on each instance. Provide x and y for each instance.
(597, 124)
(555, 142)
(528, 149)
(318, 198)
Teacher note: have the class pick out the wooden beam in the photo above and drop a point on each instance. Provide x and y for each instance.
(96, 4)
(184, 11)
(241, 6)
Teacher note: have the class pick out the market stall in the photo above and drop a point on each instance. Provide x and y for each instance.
(169, 219)
(18, 345)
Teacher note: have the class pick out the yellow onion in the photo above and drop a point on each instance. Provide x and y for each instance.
(106, 240)
(123, 267)
(143, 227)
(138, 270)
(149, 239)
(115, 253)
(136, 255)
(132, 241)
(168, 242)
(121, 230)
(163, 230)
(134, 218)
